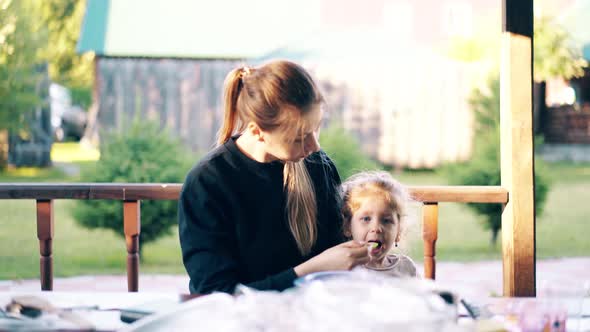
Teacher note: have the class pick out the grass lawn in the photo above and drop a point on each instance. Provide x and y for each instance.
(561, 231)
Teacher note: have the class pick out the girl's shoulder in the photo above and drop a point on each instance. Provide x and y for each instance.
(405, 264)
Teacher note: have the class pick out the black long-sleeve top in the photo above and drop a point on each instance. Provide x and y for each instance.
(233, 225)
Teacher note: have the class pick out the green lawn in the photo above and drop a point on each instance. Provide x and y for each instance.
(76, 250)
(561, 231)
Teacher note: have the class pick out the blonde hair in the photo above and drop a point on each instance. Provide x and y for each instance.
(371, 183)
(273, 96)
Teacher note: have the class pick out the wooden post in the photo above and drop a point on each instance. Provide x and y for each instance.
(45, 236)
(430, 235)
(132, 227)
(517, 160)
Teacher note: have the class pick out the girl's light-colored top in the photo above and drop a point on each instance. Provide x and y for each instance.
(396, 265)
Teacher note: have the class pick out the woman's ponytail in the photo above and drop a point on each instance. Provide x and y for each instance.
(232, 87)
(272, 90)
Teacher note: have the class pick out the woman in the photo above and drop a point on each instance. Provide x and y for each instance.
(261, 209)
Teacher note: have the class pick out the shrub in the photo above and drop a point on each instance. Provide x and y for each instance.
(142, 154)
(345, 151)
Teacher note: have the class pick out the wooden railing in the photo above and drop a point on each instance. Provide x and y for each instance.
(132, 194)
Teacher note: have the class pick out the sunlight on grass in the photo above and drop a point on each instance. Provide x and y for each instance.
(24, 172)
(73, 151)
(31, 174)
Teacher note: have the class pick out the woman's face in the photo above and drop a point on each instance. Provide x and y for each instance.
(294, 144)
(376, 223)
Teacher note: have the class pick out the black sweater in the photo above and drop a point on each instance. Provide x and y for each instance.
(233, 226)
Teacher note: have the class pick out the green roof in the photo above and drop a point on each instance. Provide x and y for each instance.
(214, 29)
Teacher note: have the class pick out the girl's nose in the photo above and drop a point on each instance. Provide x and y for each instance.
(375, 227)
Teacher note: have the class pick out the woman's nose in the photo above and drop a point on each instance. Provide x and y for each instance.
(312, 144)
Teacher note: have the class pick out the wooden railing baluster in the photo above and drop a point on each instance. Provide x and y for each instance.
(45, 236)
(430, 235)
(132, 227)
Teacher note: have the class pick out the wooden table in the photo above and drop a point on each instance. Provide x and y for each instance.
(102, 310)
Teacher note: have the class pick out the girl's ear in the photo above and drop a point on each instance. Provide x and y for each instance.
(347, 233)
(399, 228)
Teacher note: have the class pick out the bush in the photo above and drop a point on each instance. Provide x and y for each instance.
(142, 154)
(483, 168)
(345, 151)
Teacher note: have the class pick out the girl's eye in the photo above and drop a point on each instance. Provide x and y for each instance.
(389, 221)
(366, 219)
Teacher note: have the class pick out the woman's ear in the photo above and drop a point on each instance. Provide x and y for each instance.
(255, 131)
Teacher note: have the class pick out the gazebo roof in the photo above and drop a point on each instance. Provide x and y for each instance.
(220, 29)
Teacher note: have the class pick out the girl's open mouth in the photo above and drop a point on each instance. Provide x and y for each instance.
(374, 246)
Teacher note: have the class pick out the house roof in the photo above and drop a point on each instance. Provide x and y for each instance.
(227, 29)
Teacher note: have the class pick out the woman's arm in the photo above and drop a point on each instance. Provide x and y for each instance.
(205, 239)
(344, 256)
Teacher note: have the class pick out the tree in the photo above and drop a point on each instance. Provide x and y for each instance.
(554, 53)
(35, 35)
(484, 166)
(554, 56)
(20, 40)
(345, 151)
(63, 19)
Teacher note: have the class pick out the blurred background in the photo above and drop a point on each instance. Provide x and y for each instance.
(130, 91)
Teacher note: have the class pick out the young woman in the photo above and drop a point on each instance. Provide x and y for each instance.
(262, 208)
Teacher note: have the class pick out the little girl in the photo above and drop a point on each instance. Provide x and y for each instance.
(373, 210)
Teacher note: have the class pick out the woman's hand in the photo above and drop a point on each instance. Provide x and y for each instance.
(344, 256)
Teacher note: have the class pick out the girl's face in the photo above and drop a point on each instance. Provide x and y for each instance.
(376, 223)
(295, 145)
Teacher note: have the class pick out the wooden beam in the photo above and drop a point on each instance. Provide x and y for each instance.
(171, 191)
(517, 159)
(517, 17)
(114, 191)
(459, 194)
